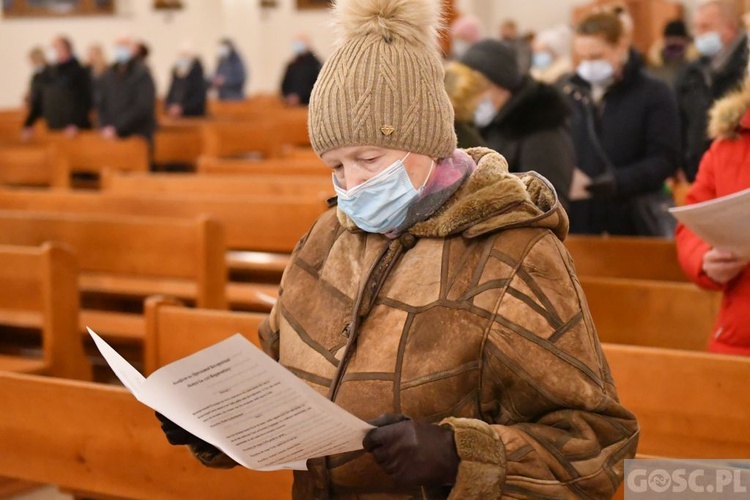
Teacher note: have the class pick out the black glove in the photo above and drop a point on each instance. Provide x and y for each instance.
(603, 186)
(178, 436)
(413, 453)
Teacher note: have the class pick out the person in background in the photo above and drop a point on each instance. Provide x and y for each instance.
(66, 92)
(625, 129)
(465, 88)
(465, 32)
(722, 43)
(723, 171)
(231, 75)
(35, 94)
(128, 95)
(510, 35)
(524, 120)
(551, 55)
(670, 55)
(301, 73)
(436, 300)
(142, 51)
(96, 64)
(187, 91)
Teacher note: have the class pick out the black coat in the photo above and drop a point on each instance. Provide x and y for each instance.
(531, 131)
(698, 87)
(66, 97)
(128, 100)
(35, 97)
(300, 77)
(638, 128)
(189, 91)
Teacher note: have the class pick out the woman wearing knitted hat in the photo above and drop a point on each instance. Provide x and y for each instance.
(437, 299)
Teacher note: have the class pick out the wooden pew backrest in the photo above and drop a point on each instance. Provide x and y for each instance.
(250, 223)
(31, 165)
(652, 313)
(44, 281)
(688, 404)
(132, 246)
(174, 332)
(109, 445)
(285, 166)
(625, 257)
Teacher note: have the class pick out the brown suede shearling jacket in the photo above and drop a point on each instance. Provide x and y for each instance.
(473, 319)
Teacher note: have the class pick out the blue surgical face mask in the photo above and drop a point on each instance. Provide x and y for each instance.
(122, 54)
(223, 50)
(183, 63)
(484, 113)
(542, 60)
(596, 72)
(381, 204)
(709, 44)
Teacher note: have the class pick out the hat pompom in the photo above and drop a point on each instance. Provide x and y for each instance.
(415, 21)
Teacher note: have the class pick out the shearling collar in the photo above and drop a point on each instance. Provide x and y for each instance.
(492, 200)
(731, 115)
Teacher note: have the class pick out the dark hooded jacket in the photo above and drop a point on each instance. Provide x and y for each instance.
(532, 133)
(473, 319)
(637, 125)
(188, 90)
(698, 87)
(300, 76)
(128, 100)
(66, 96)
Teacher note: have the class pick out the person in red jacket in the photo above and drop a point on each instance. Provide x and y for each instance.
(725, 169)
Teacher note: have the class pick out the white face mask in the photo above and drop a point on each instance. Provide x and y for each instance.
(381, 204)
(709, 44)
(223, 51)
(51, 55)
(484, 113)
(596, 72)
(459, 48)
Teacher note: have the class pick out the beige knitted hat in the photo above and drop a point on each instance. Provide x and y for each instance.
(383, 86)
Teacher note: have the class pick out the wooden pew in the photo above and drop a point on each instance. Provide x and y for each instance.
(42, 282)
(259, 224)
(258, 104)
(90, 152)
(31, 164)
(652, 313)
(286, 166)
(131, 257)
(233, 185)
(227, 139)
(178, 142)
(108, 445)
(688, 404)
(624, 257)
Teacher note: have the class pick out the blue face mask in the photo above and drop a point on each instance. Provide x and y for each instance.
(484, 113)
(709, 44)
(380, 205)
(122, 54)
(299, 47)
(542, 60)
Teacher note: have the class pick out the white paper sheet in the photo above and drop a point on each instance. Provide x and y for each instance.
(235, 397)
(723, 222)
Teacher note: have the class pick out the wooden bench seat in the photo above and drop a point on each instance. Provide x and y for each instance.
(286, 166)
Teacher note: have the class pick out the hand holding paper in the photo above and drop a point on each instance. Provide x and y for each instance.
(236, 398)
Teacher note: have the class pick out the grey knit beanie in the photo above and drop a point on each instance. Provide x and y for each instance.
(383, 86)
(496, 61)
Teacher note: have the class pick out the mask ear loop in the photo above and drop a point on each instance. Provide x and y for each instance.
(429, 174)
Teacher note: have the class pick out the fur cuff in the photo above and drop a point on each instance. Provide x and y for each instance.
(481, 473)
(212, 457)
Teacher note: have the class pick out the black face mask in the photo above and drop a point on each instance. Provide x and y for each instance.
(674, 52)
